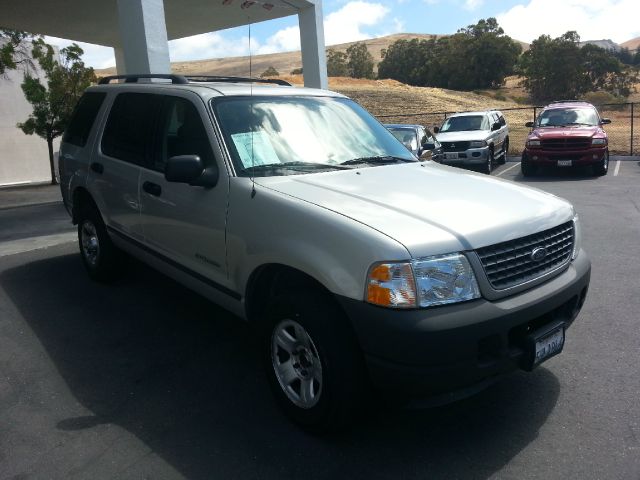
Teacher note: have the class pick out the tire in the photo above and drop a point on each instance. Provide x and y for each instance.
(601, 169)
(313, 363)
(505, 150)
(488, 167)
(528, 170)
(100, 256)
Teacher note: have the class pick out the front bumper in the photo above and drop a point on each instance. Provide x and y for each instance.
(469, 157)
(442, 349)
(547, 158)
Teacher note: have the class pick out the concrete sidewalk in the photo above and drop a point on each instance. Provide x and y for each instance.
(20, 196)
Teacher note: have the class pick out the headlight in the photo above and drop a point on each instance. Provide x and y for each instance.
(424, 282)
(477, 144)
(533, 143)
(445, 279)
(577, 237)
(598, 141)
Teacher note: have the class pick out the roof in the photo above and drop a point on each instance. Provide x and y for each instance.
(402, 125)
(217, 89)
(96, 21)
(568, 103)
(470, 114)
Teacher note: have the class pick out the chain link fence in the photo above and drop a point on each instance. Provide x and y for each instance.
(623, 132)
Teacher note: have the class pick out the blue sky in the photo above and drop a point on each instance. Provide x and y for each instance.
(346, 21)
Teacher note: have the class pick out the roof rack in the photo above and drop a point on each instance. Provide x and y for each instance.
(134, 78)
(214, 78)
(181, 80)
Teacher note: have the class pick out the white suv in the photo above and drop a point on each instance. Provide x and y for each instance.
(474, 139)
(296, 210)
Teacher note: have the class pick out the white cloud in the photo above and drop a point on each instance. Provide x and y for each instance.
(345, 25)
(207, 45)
(605, 19)
(473, 4)
(283, 40)
(95, 56)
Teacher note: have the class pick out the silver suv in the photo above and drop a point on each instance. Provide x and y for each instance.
(474, 139)
(358, 264)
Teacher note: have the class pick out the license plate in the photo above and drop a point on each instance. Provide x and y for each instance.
(548, 346)
(543, 344)
(564, 163)
(451, 156)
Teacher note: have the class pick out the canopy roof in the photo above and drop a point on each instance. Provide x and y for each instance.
(96, 21)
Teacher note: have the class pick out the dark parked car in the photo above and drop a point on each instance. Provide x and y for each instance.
(417, 138)
(567, 134)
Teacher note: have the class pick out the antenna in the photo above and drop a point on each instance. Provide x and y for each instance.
(253, 161)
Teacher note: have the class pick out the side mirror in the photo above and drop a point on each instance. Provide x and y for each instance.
(426, 155)
(436, 129)
(190, 169)
(495, 126)
(529, 124)
(605, 121)
(429, 146)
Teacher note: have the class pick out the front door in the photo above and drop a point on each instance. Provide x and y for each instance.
(184, 223)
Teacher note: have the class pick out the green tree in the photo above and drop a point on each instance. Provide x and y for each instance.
(559, 68)
(478, 56)
(337, 64)
(360, 62)
(53, 104)
(269, 72)
(15, 50)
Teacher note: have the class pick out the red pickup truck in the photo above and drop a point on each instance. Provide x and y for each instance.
(567, 134)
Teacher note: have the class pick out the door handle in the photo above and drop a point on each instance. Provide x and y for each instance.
(97, 167)
(152, 188)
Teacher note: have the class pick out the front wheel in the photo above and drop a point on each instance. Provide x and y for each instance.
(314, 366)
(528, 170)
(602, 167)
(488, 167)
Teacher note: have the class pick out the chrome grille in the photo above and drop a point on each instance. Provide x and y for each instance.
(509, 263)
(455, 146)
(567, 143)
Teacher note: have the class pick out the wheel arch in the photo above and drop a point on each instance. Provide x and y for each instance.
(81, 197)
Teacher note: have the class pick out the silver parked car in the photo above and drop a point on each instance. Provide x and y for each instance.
(474, 139)
(417, 138)
(299, 212)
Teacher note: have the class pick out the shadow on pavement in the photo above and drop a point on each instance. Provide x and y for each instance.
(182, 376)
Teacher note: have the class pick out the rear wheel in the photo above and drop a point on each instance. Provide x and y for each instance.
(602, 167)
(99, 255)
(313, 363)
(505, 150)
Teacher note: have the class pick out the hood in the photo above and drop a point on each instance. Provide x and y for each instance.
(467, 136)
(563, 132)
(429, 208)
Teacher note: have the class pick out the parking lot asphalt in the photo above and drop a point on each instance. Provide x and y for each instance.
(144, 379)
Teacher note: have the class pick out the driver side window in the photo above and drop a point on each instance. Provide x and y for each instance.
(181, 133)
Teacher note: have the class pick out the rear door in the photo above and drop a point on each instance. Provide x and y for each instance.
(183, 224)
(115, 169)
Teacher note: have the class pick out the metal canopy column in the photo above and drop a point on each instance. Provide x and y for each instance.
(314, 62)
(143, 33)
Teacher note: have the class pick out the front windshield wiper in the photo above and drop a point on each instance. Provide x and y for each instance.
(580, 123)
(377, 159)
(291, 165)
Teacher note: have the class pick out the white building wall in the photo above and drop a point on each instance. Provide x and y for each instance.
(24, 158)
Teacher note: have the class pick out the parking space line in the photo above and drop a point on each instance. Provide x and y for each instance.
(615, 172)
(35, 243)
(507, 169)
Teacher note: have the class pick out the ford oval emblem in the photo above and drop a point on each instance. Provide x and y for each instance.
(538, 254)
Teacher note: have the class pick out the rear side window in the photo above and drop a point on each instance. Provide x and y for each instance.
(128, 131)
(83, 118)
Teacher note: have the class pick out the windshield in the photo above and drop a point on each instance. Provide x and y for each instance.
(561, 117)
(273, 136)
(407, 136)
(465, 123)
